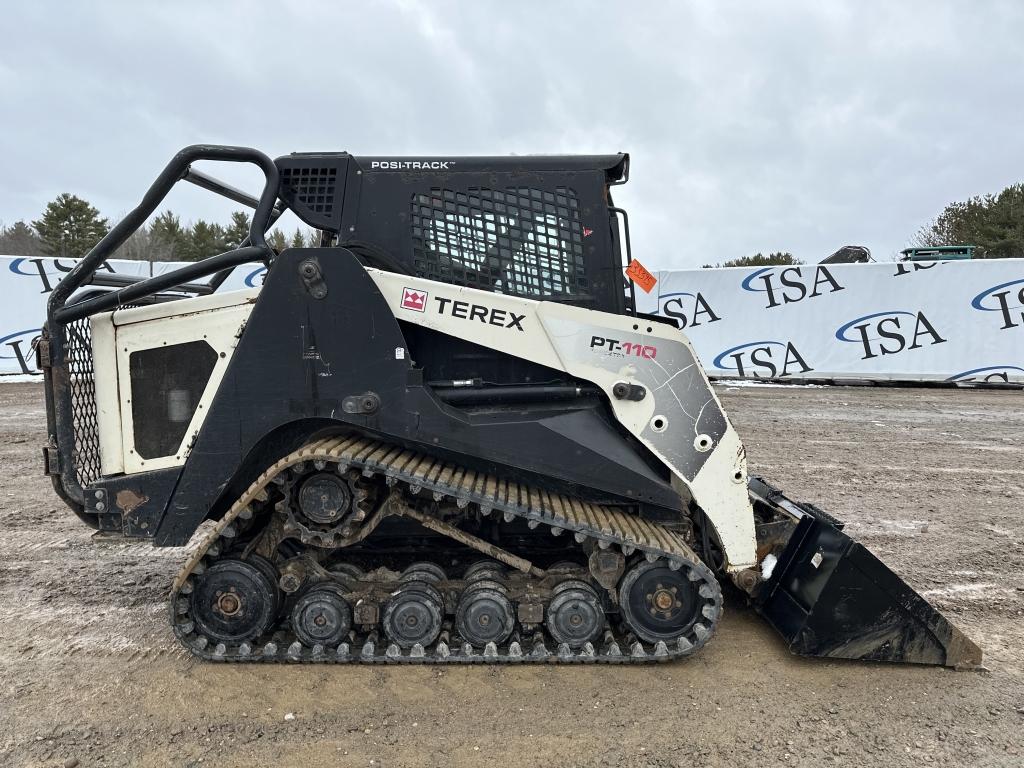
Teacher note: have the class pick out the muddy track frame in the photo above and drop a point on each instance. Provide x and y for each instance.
(423, 475)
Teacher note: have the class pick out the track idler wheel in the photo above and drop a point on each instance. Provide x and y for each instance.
(659, 603)
(321, 616)
(320, 508)
(413, 615)
(324, 498)
(235, 600)
(574, 616)
(484, 613)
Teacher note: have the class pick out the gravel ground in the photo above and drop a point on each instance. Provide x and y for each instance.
(930, 480)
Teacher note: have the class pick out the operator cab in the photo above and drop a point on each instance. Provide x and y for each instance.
(538, 227)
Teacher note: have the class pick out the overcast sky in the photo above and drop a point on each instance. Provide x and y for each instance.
(797, 126)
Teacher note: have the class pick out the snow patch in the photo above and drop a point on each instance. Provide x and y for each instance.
(889, 527)
(729, 383)
(968, 591)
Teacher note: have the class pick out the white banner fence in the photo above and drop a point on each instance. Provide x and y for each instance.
(935, 321)
(925, 321)
(26, 283)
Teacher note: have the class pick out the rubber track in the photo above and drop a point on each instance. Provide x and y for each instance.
(443, 480)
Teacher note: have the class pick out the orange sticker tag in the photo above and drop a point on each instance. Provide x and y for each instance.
(638, 273)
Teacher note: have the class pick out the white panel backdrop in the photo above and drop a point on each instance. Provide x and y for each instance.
(887, 321)
(934, 321)
(25, 285)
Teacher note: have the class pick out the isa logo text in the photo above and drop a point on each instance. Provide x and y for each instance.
(46, 271)
(791, 285)
(17, 346)
(889, 333)
(689, 310)
(1007, 299)
(762, 360)
(990, 373)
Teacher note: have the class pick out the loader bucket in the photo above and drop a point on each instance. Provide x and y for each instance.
(829, 596)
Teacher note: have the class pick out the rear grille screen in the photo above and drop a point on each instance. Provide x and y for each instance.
(520, 241)
(313, 187)
(86, 454)
(167, 384)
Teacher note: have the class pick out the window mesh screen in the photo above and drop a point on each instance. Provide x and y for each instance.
(520, 241)
(167, 384)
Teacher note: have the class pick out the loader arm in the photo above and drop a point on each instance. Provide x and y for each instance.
(648, 372)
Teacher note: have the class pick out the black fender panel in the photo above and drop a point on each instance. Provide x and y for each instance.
(309, 345)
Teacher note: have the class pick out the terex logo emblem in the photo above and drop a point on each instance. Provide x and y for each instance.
(490, 315)
(762, 360)
(1009, 301)
(874, 330)
(414, 300)
(793, 285)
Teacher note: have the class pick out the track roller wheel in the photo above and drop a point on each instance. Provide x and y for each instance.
(659, 603)
(567, 567)
(235, 600)
(322, 616)
(270, 571)
(431, 573)
(489, 570)
(413, 615)
(574, 615)
(484, 614)
(346, 573)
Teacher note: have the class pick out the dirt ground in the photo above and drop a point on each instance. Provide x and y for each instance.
(931, 480)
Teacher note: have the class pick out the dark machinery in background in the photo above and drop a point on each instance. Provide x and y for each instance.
(849, 254)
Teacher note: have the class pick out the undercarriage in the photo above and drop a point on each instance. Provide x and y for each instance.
(354, 550)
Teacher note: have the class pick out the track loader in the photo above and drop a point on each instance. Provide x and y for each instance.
(444, 435)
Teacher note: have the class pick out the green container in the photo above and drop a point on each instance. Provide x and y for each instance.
(939, 253)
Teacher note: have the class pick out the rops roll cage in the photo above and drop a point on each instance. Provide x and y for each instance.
(65, 448)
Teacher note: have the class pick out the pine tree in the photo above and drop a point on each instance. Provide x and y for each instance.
(20, 240)
(277, 240)
(204, 240)
(298, 241)
(760, 260)
(993, 223)
(167, 238)
(237, 230)
(70, 226)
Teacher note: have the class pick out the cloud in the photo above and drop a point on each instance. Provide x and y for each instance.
(752, 127)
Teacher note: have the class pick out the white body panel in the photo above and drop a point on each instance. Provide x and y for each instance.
(108, 395)
(668, 420)
(216, 319)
